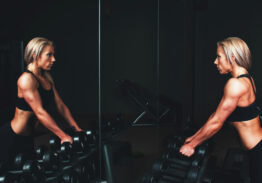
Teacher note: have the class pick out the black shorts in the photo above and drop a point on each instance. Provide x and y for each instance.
(255, 155)
(11, 144)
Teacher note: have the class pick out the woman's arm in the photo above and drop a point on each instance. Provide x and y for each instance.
(28, 88)
(232, 92)
(64, 111)
(197, 133)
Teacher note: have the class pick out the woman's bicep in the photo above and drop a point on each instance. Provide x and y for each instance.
(229, 102)
(226, 106)
(32, 97)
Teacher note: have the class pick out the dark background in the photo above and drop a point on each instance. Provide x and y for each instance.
(185, 73)
(188, 34)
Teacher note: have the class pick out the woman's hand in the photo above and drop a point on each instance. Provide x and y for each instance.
(187, 150)
(67, 138)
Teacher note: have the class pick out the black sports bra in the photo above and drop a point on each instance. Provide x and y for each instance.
(47, 97)
(245, 113)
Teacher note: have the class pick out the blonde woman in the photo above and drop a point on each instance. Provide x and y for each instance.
(237, 106)
(36, 93)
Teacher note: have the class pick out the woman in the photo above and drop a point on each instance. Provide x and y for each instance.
(36, 94)
(237, 106)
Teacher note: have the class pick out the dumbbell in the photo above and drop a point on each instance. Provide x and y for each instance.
(83, 172)
(39, 151)
(175, 173)
(81, 141)
(200, 151)
(8, 178)
(183, 162)
(19, 160)
(91, 137)
(80, 145)
(17, 164)
(88, 136)
(151, 177)
(66, 152)
(66, 177)
(70, 177)
(84, 166)
(54, 143)
(29, 172)
(50, 162)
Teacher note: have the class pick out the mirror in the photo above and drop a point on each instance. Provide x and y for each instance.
(73, 27)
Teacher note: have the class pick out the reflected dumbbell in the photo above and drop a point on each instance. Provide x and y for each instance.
(30, 172)
(89, 136)
(80, 144)
(87, 170)
(65, 149)
(175, 174)
(70, 177)
(82, 141)
(17, 164)
(40, 150)
(50, 162)
(66, 152)
(54, 143)
(8, 178)
(83, 172)
(20, 160)
(66, 177)
(87, 139)
(84, 166)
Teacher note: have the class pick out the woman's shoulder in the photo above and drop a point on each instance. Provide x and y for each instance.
(27, 80)
(235, 86)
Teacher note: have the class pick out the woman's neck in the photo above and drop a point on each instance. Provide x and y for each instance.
(237, 71)
(35, 69)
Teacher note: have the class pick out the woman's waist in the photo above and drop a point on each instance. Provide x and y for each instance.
(23, 126)
(250, 138)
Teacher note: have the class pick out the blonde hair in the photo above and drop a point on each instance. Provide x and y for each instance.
(234, 46)
(34, 49)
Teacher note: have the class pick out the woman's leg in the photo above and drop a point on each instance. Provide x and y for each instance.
(255, 155)
(7, 140)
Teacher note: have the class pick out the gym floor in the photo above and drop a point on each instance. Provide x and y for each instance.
(147, 145)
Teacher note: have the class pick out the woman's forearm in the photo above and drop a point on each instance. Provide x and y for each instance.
(207, 131)
(65, 112)
(199, 131)
(49, 123)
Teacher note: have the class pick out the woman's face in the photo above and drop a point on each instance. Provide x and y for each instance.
(222, 63)
(47, 58)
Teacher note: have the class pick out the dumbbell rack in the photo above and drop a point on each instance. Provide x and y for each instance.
(87, 158)
(37, 170)
(174, 167)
